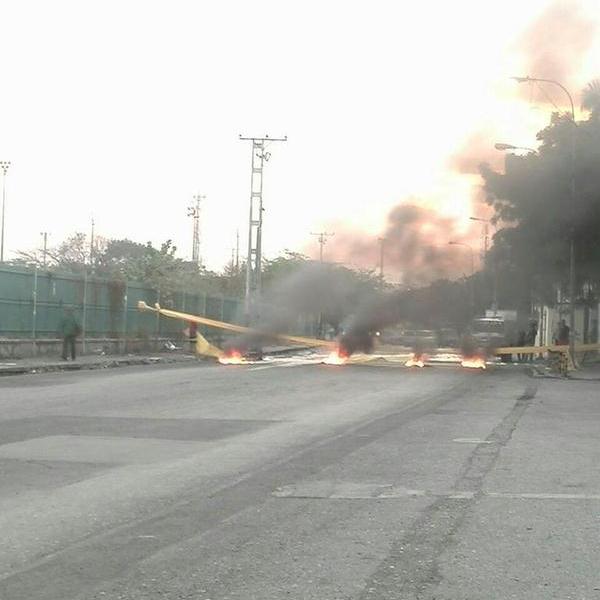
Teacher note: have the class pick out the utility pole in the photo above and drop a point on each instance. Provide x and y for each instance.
(237, 251)
(194, 212)
(44, 235)
(484, 255)
(253, 264)
(381, 246)
(92, 242)
(322, 235)
(4, 165)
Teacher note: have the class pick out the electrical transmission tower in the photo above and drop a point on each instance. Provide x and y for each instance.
(194, 212)
(253, 264)
(322, 235)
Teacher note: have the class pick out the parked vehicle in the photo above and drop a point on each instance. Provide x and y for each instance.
(418, 338)
(493, 331)
(448, 337)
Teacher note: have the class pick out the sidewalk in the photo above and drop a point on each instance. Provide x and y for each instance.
(48, 364)
(586, 372)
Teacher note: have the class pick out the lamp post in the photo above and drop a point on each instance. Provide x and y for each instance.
(4, 165)
(528, 79)
(572, 193)
(503, 146)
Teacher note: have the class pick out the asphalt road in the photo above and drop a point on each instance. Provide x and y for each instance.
(297, 481)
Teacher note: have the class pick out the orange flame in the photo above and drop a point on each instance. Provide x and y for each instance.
(473, 362)
(232, 358)
(416, 360)
(337, 357)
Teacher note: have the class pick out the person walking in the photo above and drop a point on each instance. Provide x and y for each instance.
(69, 329)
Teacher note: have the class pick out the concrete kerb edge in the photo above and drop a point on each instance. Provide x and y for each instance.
(129, 361)
(88, 366)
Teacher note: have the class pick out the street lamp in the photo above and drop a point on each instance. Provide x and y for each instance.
(4, 165)
(502, 146)
(551, 81)
(572, 240)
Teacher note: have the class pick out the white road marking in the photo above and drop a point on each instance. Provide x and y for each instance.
(471, 441)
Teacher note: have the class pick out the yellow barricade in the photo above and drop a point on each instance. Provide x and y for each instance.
(566, 361)
(205, 348)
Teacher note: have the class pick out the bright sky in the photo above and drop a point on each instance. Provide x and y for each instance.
(125, 109)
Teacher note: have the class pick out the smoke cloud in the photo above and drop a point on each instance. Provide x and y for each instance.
(476, 150)
(554, 45)
(311, 290)
(415, 246)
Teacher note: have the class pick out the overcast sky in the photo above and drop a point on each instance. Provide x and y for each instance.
(124, 110)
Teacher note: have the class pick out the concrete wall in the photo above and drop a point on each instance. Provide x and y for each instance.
(550, 317)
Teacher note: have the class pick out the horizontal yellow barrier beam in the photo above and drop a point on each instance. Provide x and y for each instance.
(292, 339)
(543, 349)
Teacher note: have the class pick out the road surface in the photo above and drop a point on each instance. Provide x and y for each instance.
(285, 480)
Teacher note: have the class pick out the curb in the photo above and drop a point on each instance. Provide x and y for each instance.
(540, 374)
(89, 366)
(131, 361)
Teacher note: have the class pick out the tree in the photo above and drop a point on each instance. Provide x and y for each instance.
(158, 267)
(71, 255)
(590, 98)
(534, 202)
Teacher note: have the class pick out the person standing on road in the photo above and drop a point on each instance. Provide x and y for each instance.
(564, 333)
(521, 341)
(531, 337)
(69, 329)
(192, 333)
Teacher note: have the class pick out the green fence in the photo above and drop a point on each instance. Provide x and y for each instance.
(32, 303)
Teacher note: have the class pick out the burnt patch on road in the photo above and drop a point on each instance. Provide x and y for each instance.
(18, 430)
(411, 567)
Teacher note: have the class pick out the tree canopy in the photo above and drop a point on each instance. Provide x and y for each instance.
(545, 199)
